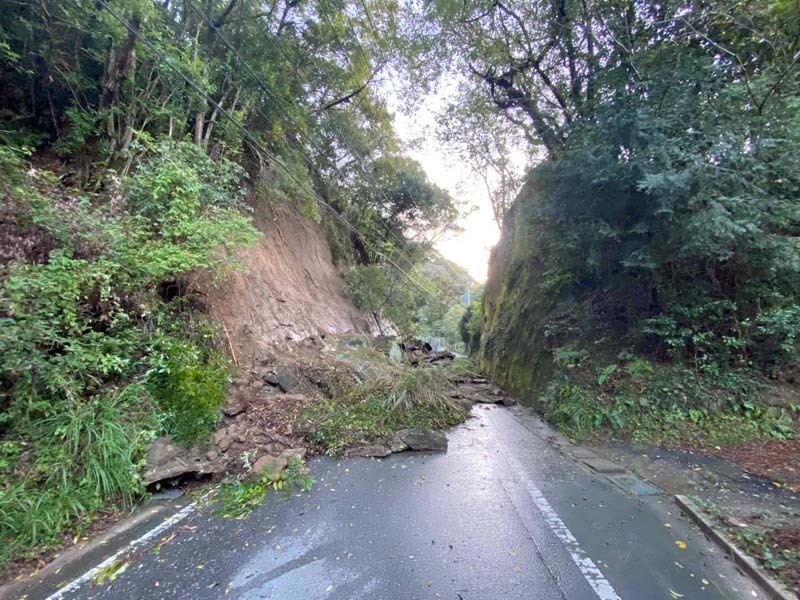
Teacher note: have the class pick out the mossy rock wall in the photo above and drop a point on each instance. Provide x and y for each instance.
(512, 341)
(527, 312)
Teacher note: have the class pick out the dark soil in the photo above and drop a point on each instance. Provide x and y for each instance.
(787, 541)
(776, 460)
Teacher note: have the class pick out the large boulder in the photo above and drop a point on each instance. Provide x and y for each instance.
(166, 460)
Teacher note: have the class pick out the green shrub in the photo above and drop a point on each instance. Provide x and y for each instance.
(188, 383)
(669, 404)
(93, 363)
(572, 408)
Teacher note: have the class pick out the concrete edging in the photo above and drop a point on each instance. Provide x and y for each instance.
(774, 589)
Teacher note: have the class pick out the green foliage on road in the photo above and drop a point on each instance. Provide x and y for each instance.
(394, 398)
(236, 499)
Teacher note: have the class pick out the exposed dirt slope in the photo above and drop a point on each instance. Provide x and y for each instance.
(289, 288)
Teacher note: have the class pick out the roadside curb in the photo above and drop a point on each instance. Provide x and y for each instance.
(773, 588)
(107, 546)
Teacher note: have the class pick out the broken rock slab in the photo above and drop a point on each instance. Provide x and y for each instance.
(423, 439)
(233, 407)
(166, 460)
(270, 466)
(283, 379)
(371, 451)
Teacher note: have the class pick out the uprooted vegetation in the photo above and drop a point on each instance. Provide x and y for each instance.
(396, 398)
(238, 497)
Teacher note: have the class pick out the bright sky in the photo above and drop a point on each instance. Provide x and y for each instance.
(469, 248)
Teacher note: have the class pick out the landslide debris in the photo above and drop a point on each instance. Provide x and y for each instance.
(340, 395)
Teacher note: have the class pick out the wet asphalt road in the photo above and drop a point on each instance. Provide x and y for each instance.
(501, 515)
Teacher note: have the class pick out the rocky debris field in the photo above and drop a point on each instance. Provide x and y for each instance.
(265, 420)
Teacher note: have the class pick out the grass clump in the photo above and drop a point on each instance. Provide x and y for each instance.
(364, 413)
(237, 499)
(410, 387)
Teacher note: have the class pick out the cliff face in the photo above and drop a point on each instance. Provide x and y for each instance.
(528, 311)
(288, 288)
(512, 338)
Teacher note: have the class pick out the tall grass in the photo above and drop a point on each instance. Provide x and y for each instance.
(86, 459)
(417, 386)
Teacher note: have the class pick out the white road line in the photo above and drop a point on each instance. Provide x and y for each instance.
(147, 537)
(593, 575)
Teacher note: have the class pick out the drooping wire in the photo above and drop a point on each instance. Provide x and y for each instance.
(311, 194)
(265, 87)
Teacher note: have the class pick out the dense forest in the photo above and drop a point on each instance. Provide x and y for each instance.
(646, 280)
(659, 222)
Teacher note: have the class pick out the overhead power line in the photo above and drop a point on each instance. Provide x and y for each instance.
(213, 26)
(311, 194)
(258, 79)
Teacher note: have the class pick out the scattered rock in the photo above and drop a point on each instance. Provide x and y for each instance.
(224, 442)
(396, 443)
(233, 407)
(271, 466)
(485, 399)
(416, 346)
(271, 378)
(240, 435)
(368, 452)
(290, 453)
(166, 460)
(423, 439)
(283, 379)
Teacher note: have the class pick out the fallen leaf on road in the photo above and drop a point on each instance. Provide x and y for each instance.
(680, 544)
